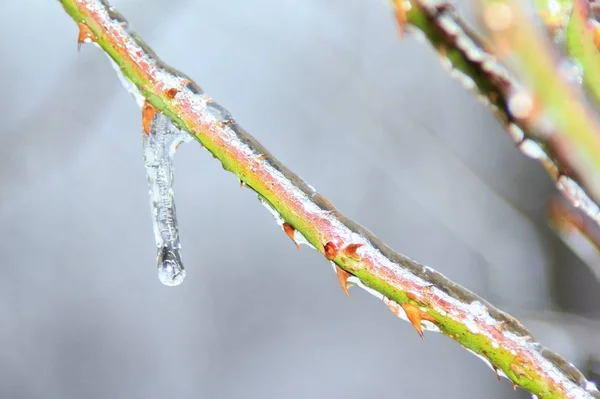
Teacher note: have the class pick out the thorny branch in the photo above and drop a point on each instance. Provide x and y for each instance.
(414, 292)
(469, 60)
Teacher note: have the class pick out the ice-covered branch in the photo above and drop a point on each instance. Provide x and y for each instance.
(467, 57)
(412, 291)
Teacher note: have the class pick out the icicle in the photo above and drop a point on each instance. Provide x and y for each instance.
(160, 145)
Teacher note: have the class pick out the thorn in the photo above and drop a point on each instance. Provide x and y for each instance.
(85, 35)
(350, 251)
(330, 250)
(400, 13)
(148, 112)
(242, 184)
(393, 306)
(596, 34)
(261, 157)
(343, 278)
(290, 231)
(171, 93)
(514, 387)
(415, 315)
(497, 373)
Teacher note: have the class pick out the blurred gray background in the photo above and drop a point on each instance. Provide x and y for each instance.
(371, 121)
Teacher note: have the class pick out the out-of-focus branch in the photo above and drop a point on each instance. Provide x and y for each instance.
(468, 58)
(414, 292)
(577, 232)
(574, 124)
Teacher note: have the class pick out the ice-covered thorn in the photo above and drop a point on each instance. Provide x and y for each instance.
(415, 315)
(291, 232)
(351, 249)
(148, 112)
(400, 13)
(85, 35)
(393, 306)
(343, 276)
(330, 250)
(497, 373)
(171, 93)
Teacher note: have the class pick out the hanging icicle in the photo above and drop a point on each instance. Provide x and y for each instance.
(160, 143)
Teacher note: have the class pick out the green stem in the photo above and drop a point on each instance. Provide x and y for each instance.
(401, 282)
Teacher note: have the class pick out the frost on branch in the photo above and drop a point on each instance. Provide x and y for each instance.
(160, 143)
(401, 283)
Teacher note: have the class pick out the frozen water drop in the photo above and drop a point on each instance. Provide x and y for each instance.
(170, 267)
(520, 104)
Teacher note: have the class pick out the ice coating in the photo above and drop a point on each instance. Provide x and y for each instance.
(160, 145)
(388, 271)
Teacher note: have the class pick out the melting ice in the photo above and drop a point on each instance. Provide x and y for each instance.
(160, 145)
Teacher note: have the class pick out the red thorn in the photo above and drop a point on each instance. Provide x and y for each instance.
(497, 373)
(350, 251)
(596, 34)
(261, 157)
(290, 231)
(171, 93)
(400, 13)
(343, 276)
(148, 112)
(415, 315)
(84, 34)
(330, 250)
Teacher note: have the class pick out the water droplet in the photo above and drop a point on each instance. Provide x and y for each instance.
(520, 104)
(532, 149)
(170, 267)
